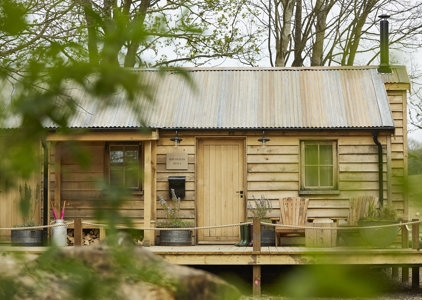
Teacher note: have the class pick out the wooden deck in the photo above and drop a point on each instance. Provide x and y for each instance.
(231, 255)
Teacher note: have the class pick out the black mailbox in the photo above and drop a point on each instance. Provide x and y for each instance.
(177, 183)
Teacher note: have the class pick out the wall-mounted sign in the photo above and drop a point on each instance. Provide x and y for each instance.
(177, 161)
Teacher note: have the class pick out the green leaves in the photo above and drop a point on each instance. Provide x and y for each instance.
(12, 17)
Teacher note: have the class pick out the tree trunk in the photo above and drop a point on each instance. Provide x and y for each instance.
(130, 58)
(357, 31)
(321, 11)
(298, 41)
(92, 31)
(284, 37)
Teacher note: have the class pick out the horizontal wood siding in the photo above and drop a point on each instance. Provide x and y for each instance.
(188, 146)
(398, 105)
(274, 170)
(358, 170)
(80, 183)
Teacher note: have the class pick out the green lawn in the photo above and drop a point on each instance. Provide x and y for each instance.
(415, 195)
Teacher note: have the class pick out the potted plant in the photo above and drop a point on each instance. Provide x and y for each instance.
(379, 237)
(182, 237)
(27, 237)
(259, 210)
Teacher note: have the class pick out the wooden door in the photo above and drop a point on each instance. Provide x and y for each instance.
(220, 180)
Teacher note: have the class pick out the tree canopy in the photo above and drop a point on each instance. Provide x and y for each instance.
(46, 43)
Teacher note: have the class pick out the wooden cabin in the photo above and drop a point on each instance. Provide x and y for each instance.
(323, 126)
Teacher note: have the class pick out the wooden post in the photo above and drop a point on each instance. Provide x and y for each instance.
(404, 236)
(256, 235)
(103, 233)
(415, 245)
(57, 178)
(404, 244)
(256, 284)
(77, 235)
(149, 235)
(415, 234)
(405, 275)
(415, 278)
(394, 272)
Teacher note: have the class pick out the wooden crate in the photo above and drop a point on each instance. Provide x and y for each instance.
(321, 237)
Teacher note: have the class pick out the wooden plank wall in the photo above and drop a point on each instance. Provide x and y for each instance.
(9, 206)
(274, 171)
(398, 107)
(79, 184)
(164, 146)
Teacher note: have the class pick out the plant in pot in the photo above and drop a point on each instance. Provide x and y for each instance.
(379, 237)
(259, 210)
(174, 237)
(27, 207)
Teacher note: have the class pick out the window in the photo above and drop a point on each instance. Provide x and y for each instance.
(125, 163)
(318, 165)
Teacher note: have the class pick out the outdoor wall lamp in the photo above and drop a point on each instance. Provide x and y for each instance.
(263, 139)
(176, 140)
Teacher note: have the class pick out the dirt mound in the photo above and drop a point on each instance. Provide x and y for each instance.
(100, 272)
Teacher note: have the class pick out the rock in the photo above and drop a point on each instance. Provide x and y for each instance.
(100, 272)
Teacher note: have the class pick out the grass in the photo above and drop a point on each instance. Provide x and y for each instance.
(415, 196)
(415, 199)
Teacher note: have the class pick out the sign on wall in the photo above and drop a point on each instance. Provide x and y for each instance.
(177, 161)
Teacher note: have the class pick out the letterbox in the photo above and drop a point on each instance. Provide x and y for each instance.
(178, 184)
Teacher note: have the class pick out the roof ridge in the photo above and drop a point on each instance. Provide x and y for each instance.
(312, 68)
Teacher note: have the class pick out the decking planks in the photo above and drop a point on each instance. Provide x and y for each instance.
(230, 255)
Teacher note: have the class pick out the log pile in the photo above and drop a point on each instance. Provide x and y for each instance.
(89, 237)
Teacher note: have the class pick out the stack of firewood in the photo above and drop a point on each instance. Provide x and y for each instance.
(89, 237)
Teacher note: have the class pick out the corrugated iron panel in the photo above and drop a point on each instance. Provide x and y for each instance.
(398, 75)
(250, 98)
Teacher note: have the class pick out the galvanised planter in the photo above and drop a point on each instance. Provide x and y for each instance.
(176, 237)
(267, 236)
(378, 237)
(27, 237)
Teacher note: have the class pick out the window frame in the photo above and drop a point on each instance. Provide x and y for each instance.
(333, 189)
(109, 145)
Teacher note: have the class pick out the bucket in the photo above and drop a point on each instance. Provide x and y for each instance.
(59, 234)
(175, 237)
(27, 237)
(267, 236)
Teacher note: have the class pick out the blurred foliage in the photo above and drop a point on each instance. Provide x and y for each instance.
(47, 49)
(331, 281)
(37, 75)
(27, 203)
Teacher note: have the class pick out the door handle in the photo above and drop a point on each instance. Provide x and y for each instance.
(241, 193)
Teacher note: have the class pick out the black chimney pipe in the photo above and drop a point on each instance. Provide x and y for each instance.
(385, 60)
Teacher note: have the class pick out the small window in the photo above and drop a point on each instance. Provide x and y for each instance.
(124, 169)
(318, 165)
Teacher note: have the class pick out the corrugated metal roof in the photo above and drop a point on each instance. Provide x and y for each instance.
(250, 98)
(398, 75)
